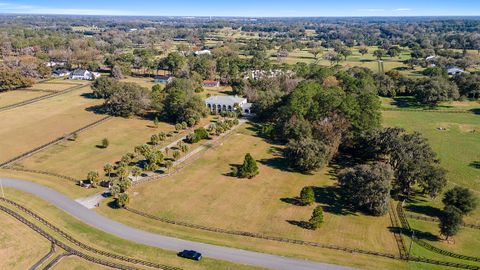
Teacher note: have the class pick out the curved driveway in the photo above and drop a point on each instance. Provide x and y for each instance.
(164, 242)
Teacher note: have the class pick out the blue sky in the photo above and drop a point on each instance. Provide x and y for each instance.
(247, 8)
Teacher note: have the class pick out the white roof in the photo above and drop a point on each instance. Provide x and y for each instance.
(227, 100)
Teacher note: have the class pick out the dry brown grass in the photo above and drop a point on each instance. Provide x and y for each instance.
(12, 97)
(204, 194)
(33, 125)
(20, 247)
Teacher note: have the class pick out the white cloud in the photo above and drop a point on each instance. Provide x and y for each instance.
(402, 9)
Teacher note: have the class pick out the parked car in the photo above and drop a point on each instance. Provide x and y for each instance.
(190, 254)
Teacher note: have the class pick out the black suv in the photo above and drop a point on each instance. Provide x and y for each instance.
(190, 254)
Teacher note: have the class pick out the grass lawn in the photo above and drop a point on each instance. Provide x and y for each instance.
(20, 247)
(142, 81)
(12, 97)
(107, 242)
(33, 125)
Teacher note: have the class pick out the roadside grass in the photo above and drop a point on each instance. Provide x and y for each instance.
(202, 190)
(66, 187)
(12, 97)
(107, 242)
(20, 247)
(27, 127)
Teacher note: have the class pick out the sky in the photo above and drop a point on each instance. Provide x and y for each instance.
(246, 8)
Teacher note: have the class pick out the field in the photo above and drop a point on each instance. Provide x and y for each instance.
(24, 128)
(12, 97)
(76, 158)
(54, 87)
(15, 253)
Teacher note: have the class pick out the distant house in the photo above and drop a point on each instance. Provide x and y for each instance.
(228, 104)
(82, 74)
(211, 83)
(60, 72)
(202, 52)
(56, 63)
(431, 58)
(163, 79)
(452, 70)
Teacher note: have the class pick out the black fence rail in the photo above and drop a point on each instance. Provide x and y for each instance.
(84, 246)
(443, 263)
(37, 99)
(63, 245)
(433, 219)
(56, 260)
(397, 233)
(426, 245)
(262, 236)
(53, 142)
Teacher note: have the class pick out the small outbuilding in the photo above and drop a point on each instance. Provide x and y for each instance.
(211, 83)
(163, 79)
(452, 71)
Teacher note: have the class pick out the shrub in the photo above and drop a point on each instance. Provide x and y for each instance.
(317, 218)
(307, 196)
(249, 168)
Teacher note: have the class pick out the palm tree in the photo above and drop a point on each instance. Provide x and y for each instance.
(168, 165)
(93, 178)
(108, 169)
(136, 172)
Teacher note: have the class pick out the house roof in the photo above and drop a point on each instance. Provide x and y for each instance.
(79, 72)
(225, 100)
(210, 82)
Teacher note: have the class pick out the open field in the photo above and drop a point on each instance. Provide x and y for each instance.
(24, 128)
(102, 241)
(20, 247)
(12, 97)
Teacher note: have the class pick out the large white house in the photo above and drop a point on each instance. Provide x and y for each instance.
(228, 104)
(202, 52)
(82, 74)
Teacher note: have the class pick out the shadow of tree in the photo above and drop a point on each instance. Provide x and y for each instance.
(293, 201)
(331, 198)
(113, 205)
(300, 223)
(424, 210)
(418, 234)
(475, 111)
(475, 164)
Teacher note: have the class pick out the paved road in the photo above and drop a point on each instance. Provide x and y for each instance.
(169, 243)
